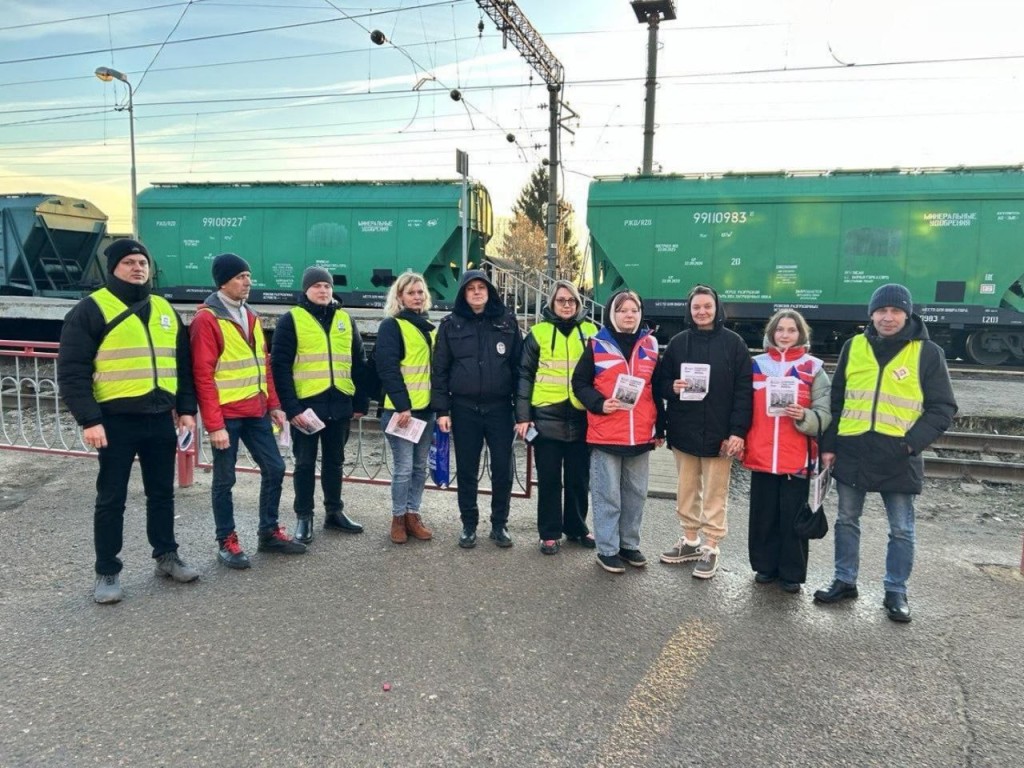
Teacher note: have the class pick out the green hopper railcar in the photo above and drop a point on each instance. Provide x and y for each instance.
(822, 243)
(364, 233)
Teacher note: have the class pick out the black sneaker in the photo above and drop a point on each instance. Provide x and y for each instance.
(280, 542)
(586, 540)
(634, 557)
(467, 539)
(232, 554)
(611, 563)
(500, 537)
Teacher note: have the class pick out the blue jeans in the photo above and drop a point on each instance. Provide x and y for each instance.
(409, 471)
(258, 436)
(618, 489)
(899, 557)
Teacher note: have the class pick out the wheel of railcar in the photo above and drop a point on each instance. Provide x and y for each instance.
(978, 351)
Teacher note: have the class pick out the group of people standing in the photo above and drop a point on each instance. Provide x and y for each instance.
(593, 402)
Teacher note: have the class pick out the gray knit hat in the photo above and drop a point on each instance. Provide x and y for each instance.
(891, 295)
(314, 275)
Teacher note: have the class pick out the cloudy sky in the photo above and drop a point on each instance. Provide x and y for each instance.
(227, 90)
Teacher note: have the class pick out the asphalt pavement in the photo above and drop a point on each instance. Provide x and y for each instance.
(364, 653)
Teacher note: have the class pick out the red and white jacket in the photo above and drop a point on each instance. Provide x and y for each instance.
(774, 443)
(635, 426)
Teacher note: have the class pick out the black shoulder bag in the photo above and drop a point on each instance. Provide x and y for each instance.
(811, 523)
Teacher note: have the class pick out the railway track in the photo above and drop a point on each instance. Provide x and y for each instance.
(999, 458)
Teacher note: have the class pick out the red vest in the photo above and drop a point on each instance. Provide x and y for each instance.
(774, 444)
(636, 426)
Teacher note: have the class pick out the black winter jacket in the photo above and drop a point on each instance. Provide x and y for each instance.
(476, 356)
(331, 403)
(80, 339)
(877, 462)
(561, 421)
(389, 351)
(698, 427)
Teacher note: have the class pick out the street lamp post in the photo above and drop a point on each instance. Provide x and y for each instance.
(106, 74)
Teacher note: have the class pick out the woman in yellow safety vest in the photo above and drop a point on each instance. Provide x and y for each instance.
(402, 354)
(549, 416)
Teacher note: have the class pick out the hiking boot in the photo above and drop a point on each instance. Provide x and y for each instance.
(108, 588)
(171, 566)
(707, 564)
(339, 521)
(414, 527)
(586, 540)
(611, 563)
(682, 552)
(500, 537)
(550, 546)
(280, 542)
(232, 554)
(633, 556)
(399, 535)
(304, 530)
(467, 539)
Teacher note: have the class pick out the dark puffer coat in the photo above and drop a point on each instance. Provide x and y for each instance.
(698, 427)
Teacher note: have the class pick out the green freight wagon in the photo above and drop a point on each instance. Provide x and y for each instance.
(364, 233)
(822, 243)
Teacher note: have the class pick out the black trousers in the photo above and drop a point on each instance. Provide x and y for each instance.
(563, 483)
(774, 548)
(471, 427)
(153, 439)
(331, 439)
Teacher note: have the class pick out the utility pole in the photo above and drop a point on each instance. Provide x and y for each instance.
(651, 12)
(514, 25)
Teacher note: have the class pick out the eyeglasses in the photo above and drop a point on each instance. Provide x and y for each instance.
(565, 302)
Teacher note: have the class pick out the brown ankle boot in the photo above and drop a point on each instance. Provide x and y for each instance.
(398, 529)
(415, 527)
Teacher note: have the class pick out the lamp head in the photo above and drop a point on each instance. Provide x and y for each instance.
(106, 74)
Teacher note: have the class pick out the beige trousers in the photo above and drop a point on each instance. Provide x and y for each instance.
(701, 495)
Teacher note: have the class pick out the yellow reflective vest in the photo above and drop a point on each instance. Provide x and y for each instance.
(556, 362)
(135, 358)
(241, 370)
(322, 361)
(887, 401)
(415, 365)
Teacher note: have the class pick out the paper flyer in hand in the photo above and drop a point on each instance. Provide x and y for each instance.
(313, 423)
(821, 483)
(627, 390)
(780, 391)
(697, 377)
(412, 431)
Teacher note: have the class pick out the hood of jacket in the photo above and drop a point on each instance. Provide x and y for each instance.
(719, 312)
(494, 306)
(214, 302)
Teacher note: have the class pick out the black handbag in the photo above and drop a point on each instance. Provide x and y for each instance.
(810, 523)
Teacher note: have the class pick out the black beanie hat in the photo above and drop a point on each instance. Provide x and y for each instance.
(120, 248)
(891, 295)
(314, 275)
(227, 266)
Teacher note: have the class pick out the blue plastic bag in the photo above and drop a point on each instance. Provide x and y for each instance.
(439, 459)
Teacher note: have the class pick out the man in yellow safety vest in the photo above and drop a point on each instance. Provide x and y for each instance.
(238, 402)
(124, 371)
(891, 399)
(317, 359)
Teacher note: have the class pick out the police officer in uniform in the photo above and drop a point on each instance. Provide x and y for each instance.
(124, 372)
(317, 358)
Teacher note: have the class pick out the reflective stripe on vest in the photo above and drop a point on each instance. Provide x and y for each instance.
(887, 401)
(556, 362)
(415, 365)
(135, 358)
(319, 365)
(241, 370)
